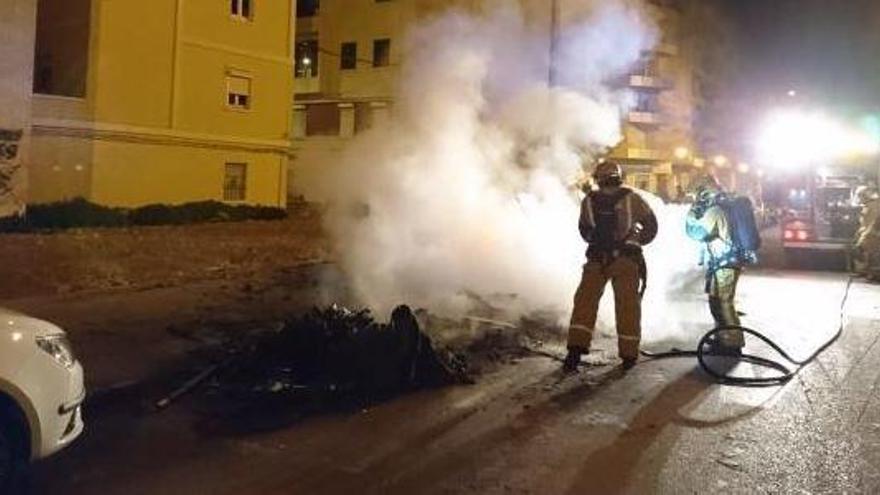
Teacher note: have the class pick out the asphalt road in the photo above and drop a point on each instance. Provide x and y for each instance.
(663, 427)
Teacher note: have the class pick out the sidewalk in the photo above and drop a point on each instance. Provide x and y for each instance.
(125, 337)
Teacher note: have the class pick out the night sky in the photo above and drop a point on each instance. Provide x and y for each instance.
(827, 50)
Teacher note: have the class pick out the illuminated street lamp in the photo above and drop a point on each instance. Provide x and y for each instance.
(795, 140)
(719, 160)
(743, 168)
(682, 153)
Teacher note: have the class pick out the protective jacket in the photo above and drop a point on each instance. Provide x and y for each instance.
(869, 222)
(615, 222)
(711, 227)
(632, 225)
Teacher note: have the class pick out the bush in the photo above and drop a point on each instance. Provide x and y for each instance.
(80, 213)
(200, 212)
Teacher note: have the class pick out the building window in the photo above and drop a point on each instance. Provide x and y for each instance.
(307, 8)
(348, 56)
(322, 119)
(381, 52)
(647, 102)
(238, 92)
(61, 55)
(306, 63)
(235, 182)
(242, 9)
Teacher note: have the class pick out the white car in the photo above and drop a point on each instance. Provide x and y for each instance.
(41, 393)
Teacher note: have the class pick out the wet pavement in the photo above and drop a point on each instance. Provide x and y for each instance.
(664, 427)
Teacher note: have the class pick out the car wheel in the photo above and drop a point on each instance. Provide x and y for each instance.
(12, 462)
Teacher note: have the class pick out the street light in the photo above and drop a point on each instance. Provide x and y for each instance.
(719, 160)
(743, 168)
(682, 153)
(796, 139)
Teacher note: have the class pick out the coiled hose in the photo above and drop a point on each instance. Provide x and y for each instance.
(704, 349)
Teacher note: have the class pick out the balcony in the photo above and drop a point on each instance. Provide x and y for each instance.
(645, 118)
(645, 154)
(649, 82)
(307, 85)
(666, 48)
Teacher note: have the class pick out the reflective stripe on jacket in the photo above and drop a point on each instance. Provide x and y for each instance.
(631, 210)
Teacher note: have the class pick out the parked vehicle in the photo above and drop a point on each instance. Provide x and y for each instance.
(41, 393)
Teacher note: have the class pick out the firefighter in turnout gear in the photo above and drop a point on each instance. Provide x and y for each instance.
(707, 223)
(615, 222)
(867, 239)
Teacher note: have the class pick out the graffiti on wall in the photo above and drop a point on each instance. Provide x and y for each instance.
(10, 164)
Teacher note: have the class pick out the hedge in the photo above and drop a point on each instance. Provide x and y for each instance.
(80, 213)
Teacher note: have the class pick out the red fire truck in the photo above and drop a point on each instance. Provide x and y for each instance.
(819, 213)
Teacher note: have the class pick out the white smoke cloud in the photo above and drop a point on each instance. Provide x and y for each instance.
(469, 189)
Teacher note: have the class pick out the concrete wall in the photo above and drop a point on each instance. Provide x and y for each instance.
(17, 28)
(132, 73)
(128, 174)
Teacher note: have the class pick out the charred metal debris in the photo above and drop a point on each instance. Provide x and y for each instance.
(334, 353)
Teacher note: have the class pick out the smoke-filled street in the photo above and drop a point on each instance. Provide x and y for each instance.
(439, 246)
(524, 427)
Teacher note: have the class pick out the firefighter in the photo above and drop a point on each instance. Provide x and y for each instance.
(707, 223)
(616, 223)
(867, 240)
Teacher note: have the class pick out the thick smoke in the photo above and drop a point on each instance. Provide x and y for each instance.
(471, 191)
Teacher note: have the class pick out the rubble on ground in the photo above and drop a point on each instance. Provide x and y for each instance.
(337, 353)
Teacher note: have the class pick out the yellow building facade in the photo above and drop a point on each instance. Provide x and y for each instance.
(168, 101)
(658, 139)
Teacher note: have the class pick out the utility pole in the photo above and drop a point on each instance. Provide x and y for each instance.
(554, 40)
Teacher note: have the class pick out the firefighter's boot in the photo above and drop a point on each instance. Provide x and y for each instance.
(573, 359)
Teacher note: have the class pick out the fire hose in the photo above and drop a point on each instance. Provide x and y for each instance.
(704, 350)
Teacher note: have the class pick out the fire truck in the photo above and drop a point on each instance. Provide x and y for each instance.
(819, 212)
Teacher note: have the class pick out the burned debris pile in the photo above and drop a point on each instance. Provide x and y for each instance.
(337, 354)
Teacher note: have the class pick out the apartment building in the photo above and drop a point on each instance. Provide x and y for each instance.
(347, 61)
(348, 54)
(658, 150)
(167, 101)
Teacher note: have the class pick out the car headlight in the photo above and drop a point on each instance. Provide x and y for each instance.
(59, 348)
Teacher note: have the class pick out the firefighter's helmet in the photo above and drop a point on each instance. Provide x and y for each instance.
(866, 194)
(706, 188)
(608, 173)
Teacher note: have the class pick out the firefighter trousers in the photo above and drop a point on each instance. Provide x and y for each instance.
(623, 272)
(722, 292)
